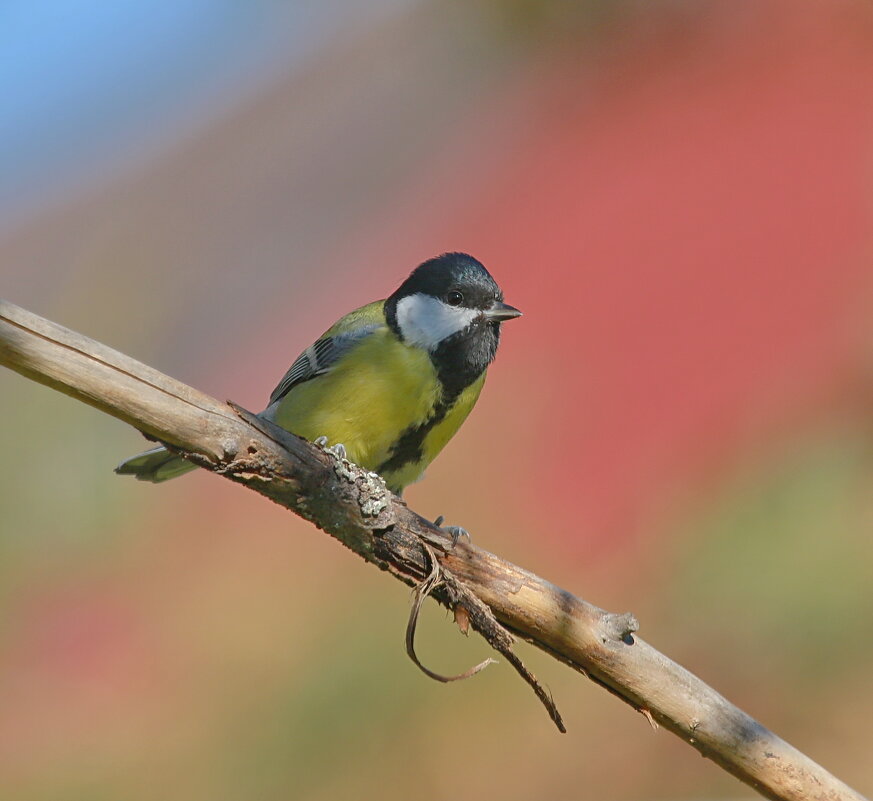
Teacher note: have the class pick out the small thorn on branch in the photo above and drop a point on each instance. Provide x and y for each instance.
(649, 717)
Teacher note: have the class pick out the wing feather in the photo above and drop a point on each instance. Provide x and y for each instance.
(319, 358)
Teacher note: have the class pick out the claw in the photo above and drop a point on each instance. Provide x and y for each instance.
(338, 450)
(455, 532)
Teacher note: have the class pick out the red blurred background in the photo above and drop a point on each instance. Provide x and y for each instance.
(677, 195)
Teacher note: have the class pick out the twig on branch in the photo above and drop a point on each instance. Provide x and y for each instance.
(353, 506)
(419, 593)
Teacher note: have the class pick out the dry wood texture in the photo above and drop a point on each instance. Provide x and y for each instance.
(353, 506)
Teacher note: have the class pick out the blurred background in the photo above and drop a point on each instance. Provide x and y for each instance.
(679, 196)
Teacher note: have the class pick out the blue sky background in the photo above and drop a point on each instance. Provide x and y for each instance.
(86, 84)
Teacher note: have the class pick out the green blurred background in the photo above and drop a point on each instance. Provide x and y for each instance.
(678, 195)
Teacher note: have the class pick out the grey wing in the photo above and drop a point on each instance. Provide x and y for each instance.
(318, 359)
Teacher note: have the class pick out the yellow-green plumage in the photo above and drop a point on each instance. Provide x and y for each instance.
(371, 396)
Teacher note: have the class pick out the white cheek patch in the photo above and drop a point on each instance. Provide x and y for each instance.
(425, 321)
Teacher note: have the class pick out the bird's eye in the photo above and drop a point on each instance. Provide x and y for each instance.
(454, 298)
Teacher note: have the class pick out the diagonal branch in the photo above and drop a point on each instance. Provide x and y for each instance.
(354, 507)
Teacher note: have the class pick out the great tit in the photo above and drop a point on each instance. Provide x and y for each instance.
(392, 381)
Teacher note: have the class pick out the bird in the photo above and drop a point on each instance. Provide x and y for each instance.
(390, 382)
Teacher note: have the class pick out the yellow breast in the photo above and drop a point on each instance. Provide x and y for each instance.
(379, 391)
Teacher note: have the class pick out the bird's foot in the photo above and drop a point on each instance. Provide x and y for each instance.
(338, 450)
(455, 532)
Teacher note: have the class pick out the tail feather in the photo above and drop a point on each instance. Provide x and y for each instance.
(155, 465)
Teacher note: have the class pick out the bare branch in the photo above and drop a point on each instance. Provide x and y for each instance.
(354, 507)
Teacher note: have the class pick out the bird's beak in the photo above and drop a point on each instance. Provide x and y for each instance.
(501, 311)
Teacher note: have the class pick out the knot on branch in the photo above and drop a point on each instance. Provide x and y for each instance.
(618, 627)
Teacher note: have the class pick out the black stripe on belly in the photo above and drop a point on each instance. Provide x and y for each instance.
(409, 447)
(458, 361)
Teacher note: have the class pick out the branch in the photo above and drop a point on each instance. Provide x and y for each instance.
(354, 507)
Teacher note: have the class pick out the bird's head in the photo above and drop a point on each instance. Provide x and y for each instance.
(448, 297)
